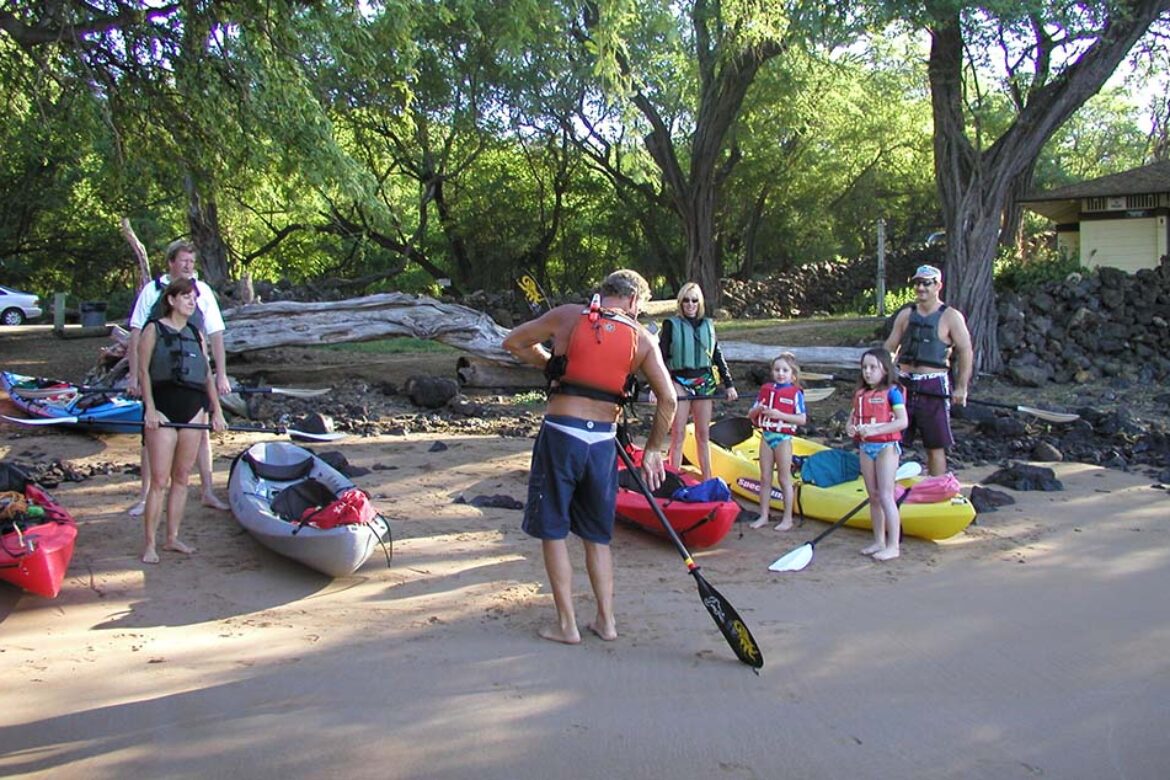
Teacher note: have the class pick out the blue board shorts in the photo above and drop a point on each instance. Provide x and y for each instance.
(573, 484)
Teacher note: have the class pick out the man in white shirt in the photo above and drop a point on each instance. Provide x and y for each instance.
(180, 256)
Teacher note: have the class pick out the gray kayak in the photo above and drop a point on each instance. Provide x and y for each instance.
(265, 471)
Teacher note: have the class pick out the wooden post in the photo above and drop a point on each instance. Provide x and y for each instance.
(881, 268)
(59, 313)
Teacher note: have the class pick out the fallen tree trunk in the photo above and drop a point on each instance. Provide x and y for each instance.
(829, 357)
(387, 315)
(474, 371)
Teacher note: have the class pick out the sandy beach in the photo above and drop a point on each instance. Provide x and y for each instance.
(1031, 645)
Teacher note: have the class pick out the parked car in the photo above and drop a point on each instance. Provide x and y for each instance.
(17, 306)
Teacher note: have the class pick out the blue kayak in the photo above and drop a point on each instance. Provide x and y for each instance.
(99, 411)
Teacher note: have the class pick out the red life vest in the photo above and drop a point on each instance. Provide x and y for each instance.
(782, 399)
(873, 407)
(600, 358)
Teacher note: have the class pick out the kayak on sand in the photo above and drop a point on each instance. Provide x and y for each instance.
(283, 495)
(735, 447)
(101, 411)
(36, 535)
(698, 523)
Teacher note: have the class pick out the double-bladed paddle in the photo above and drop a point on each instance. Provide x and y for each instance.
(52, 392)
(730, 624)
(1043, 414)
(798, 558)
(323, 437)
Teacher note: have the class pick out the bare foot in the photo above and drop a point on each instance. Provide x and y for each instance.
(137, 509)
(149, 555)
(875, 547)
(179, 547)
(785, 525)
(887, 554)
(608, 636)
(213, 501)
(760, 523)
(554, 634)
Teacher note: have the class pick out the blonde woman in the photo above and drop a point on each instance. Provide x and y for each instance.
(696, 365)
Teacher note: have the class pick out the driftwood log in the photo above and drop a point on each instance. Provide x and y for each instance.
(289, 323)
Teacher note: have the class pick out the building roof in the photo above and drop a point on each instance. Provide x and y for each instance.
(1063, 204)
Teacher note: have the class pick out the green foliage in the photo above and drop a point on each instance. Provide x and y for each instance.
(530, 398)
(1044, 265)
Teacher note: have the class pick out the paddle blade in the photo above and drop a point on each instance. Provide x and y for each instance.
(793, 560)
(814, 394)
(306, 436)
(734, 630)
(908, 470)
(41, 420)
(1050, 416)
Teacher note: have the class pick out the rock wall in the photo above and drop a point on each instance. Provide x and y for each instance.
(1099, 325)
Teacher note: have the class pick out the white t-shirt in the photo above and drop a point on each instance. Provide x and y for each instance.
(204, 299)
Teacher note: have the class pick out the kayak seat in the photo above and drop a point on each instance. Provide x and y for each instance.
(731, 431)
(279, 472)
(665, 490)
(290, 504)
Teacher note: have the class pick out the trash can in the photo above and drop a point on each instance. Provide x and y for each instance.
(93, 314)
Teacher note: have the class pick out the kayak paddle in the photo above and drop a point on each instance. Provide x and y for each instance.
(323, 437)
(798, 558)
(52, 392)
(1043, 414)
(742, 643)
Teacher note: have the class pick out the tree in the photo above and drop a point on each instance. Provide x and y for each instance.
(1055, 57)
(726, 45)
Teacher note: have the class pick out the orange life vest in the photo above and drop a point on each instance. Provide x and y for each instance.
(782, 399)
(599, 360)
(873, 407)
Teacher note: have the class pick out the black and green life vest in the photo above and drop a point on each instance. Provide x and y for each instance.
(178, 357)
(691, 346)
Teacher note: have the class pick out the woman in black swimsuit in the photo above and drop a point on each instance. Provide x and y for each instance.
(177, 387)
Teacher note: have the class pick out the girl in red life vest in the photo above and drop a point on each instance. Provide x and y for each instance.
(876, 422)
(778, 409)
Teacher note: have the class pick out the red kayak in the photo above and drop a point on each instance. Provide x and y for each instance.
(36, 535)
(699, 524)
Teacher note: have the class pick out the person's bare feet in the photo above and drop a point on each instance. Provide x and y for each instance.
(137, 509)
(886, 554)
(607, 635)
(785, 525)
(179, 547)
(213, 501)
(871, 549)
(149, 555)
(760, 523)
(555, 634)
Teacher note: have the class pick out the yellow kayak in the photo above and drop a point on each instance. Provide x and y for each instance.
(735, 448)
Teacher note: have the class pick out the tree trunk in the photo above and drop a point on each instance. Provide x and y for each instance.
(203, 221)
(142, 260)
(975, 184)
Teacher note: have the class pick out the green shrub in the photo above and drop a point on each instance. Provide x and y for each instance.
(1015, 274)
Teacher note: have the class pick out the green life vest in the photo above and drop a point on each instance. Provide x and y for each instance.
(690, 346)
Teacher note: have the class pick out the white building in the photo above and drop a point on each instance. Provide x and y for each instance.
(1121, 221)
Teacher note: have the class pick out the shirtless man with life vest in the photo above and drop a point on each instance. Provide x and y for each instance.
(926, 337)
(573, 481)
